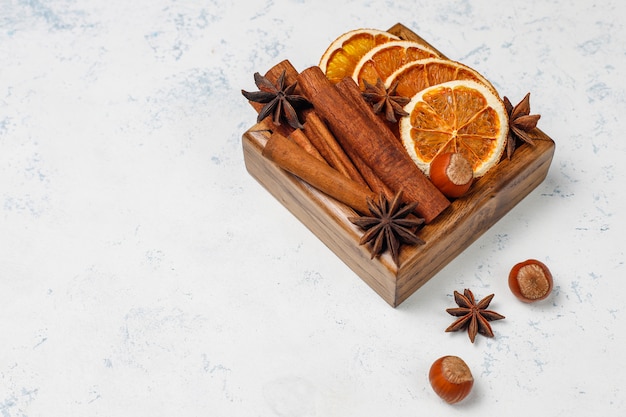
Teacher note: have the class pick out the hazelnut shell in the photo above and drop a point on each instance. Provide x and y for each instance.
(530, 281)
(451, 379)
(451, 173)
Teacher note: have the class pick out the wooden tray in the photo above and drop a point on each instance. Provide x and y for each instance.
(467, 218)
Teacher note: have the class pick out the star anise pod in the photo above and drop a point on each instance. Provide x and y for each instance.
(279, 100)
(521, 122)
(388, 225)
(386, 100)
(472, 315)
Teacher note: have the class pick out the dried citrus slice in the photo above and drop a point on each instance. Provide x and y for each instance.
(415, 76)
(344, 53)
(457, 116)
(385, 59)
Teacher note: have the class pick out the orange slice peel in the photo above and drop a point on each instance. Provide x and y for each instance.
(457, 116)
(345, 52)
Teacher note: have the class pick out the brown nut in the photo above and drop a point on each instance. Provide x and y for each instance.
(451, 378)
(530, 281)
(451, 173)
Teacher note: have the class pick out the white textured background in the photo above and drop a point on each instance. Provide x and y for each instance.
(143, 272)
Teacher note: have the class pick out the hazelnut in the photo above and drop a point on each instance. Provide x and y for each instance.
(530, 281)
(451, 173)
(451, 378)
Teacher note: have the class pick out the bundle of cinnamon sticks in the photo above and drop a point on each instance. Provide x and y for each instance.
(344, 149)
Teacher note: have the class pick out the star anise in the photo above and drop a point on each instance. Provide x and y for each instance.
(386, 100)
(521, 122)
(388, 225)
(278, 99)
(472, 315)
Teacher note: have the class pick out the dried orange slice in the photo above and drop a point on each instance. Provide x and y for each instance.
(415, 76)
(344, 53)
(457, 116)
(385, 59)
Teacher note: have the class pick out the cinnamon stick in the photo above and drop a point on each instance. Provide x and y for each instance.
(329, 147)
(347, 88)
(318, 174)
(373, 181)
(369, 177)
(357, 129)
(303, 141)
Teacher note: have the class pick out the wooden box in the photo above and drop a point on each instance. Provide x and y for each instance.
(467, 218)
